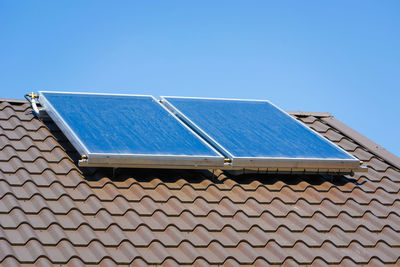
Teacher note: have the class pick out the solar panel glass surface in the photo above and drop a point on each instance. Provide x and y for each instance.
(254, 129)
(101, 124)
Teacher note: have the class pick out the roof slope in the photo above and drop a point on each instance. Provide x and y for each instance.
(53, 212)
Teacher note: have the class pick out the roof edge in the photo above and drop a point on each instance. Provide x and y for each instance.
(10, 100)
(306, 114)
(364, 141)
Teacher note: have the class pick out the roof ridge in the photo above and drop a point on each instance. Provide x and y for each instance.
(363, 140)
(13, 100)
(310, 113)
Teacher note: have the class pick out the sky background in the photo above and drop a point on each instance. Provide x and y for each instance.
(341, 57)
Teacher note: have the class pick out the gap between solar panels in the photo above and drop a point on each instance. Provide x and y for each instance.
(139, 131)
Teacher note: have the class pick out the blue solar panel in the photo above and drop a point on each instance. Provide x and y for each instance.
(256, 133)
(127, 130)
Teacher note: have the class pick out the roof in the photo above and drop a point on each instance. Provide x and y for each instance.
(53, 212)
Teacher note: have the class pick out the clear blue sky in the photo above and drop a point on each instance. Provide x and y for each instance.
(341, 57)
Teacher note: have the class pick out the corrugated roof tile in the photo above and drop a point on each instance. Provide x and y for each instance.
(9, 112)
(347, 145)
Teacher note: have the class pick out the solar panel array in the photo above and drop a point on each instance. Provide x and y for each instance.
(181, 132)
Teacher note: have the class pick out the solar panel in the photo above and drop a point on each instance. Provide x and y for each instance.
(127, 130)
(257, 134)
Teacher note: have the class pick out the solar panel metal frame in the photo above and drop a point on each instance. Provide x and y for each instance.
(130, 160)
(271, 163)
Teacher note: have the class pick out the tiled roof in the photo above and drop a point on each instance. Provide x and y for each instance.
(52, 212)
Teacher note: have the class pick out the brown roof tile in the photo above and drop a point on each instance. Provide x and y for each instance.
(53, 212)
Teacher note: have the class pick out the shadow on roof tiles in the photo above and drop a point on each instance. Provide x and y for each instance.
(293, 179)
